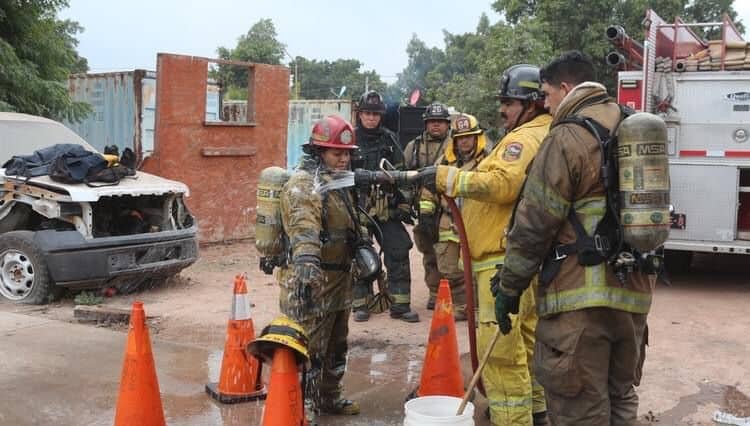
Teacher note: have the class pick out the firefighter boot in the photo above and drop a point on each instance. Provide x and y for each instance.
(341, 407)
(403, 312)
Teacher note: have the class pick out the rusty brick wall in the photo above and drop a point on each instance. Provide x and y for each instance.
(219, 163)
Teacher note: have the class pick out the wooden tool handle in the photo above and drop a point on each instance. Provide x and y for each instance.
(478, 373)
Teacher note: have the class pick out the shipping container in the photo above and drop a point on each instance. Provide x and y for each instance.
(124, 109)
(302, 116)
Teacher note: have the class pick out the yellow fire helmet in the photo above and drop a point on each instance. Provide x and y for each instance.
(464, 125)
(282, 331)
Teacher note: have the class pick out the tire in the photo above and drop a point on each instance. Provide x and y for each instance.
(677, 262)
(17, 218)
(24, 277)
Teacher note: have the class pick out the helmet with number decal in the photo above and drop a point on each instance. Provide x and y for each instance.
(436, 111)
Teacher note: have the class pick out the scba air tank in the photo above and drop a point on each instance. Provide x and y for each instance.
(643, 181)
(268, 228)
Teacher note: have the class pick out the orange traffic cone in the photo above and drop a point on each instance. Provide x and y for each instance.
(240, 377)
(284, 404)
(441, 372)
(139, 402)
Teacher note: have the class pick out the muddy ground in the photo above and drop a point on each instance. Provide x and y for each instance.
(697, 360)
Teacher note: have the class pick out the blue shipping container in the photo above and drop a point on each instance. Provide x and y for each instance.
(124, 109)
(302, 115)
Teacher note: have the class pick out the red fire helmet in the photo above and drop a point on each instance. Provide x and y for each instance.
(333, 131)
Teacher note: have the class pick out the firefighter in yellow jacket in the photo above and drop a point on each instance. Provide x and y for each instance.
(489, 193)
(465, 150)
(322, 232)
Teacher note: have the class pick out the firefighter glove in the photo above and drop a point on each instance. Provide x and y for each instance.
(402, 213)
(307, 270)
(308, 275)
(427, 178)
(427, 228)
(505, 303)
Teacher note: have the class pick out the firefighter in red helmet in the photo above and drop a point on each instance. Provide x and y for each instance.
(316, 282)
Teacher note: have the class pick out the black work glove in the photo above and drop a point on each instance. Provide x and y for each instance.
(427, 227)
(308, 275)
(505, 304)
(401, 213)
(427, 178)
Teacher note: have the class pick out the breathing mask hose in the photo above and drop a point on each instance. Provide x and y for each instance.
(469, 285)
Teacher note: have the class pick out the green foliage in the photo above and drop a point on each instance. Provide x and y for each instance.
(324, 79)
(465, 74)
(422, 60)
(572, 24)
(711, 11)
(259, 44)
(37, 54)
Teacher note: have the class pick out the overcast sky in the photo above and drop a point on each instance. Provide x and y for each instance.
(127, 35)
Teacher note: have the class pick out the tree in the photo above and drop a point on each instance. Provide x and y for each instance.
(483, 59)
(584, 29)
(37, 54)
(422, 60)
(466, 73)
(259, 44)
(324, 79)
(712, 11)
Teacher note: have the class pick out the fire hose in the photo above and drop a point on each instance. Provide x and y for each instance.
(469, 280)
(408, 177)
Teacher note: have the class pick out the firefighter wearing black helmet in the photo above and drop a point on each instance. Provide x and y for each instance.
(387, 205)
(423, 151)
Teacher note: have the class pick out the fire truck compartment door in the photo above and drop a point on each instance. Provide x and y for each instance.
(707, 195)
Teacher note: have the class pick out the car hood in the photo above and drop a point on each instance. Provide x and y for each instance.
(140, 184)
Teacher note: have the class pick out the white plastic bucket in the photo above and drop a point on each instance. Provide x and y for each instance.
(437, 410)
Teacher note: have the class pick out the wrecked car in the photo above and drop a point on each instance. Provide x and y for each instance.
(55, 235)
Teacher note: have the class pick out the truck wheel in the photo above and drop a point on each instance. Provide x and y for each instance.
(24, 277)
(16, 218)
(677, 261)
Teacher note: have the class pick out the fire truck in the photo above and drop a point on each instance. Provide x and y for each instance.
(701, 88)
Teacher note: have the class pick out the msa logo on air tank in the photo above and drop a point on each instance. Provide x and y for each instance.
(650, 149)
(624, 151)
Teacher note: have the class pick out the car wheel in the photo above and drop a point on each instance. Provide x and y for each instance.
(16, 218)
(24, 277)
